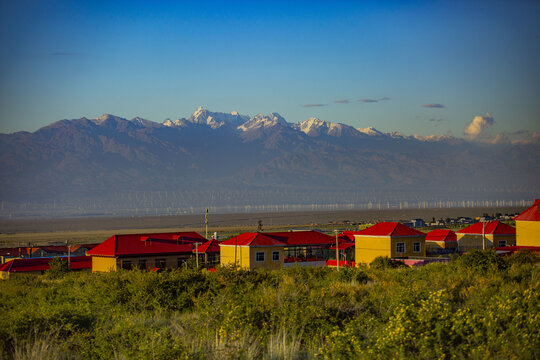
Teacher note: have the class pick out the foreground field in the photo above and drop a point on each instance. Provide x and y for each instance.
(478, 306)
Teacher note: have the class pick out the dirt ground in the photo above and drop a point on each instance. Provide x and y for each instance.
(20, 232)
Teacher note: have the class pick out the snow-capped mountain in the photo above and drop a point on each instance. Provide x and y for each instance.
(317, 127)
(261, 121)
(371, 131)
(128, 163)
(214, 119)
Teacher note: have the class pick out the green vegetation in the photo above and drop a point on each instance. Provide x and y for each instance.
(478, 306)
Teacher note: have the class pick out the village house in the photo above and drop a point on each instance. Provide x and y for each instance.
(252, 251)
(528, 226)
(60, 250)
(208, 253)
(40, 265)
(391, 239)
(306, 247)
(7, 254)
(145, 251)
(496, 234)
(441, 241)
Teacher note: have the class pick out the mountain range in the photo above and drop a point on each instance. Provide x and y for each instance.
(115, 165)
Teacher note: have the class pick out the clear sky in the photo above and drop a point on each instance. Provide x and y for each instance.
(419, 67)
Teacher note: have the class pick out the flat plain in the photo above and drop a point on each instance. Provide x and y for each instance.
(78, 230)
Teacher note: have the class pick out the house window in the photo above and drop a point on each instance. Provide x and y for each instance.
(502, 243)
(142, 263)
(400, 247)
(259, 256)
(417, 247)
(275, 255)
(160, 263)
(126, 264)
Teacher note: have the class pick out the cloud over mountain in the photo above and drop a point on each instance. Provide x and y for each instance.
(479, 129)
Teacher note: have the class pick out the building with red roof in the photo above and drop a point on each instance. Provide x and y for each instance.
(528, 226)
(208, 252)
(156, 250)
(441, 241)
(252, 251)
(391, 239)
(7, 254)
(308, 247)
(40, 265)
(486, 235)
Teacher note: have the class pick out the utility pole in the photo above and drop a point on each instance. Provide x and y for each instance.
(206, 223)
(197, 253)
(483, 234)
(69, 255)
(337, 250)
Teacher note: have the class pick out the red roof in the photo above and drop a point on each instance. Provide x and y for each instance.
(57, 249)
(211, 246)
(342, 246)
(252, 239)
(147, 244)
(531, 214)
(13, 252)
(390, 229)
(441, 235)
(299, 238)
(42, 264)
(348, 235)
(491, 228)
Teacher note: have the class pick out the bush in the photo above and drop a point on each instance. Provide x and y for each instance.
(57, 268)
(436, 311)
(482, 260)
(384, 262)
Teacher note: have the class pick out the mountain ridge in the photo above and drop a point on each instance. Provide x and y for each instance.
(263, 160)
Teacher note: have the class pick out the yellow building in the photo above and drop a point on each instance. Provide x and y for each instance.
(252, 251)
(528, 226)
(391, 239)
(496, 234)
(145, 251)
(441, 241)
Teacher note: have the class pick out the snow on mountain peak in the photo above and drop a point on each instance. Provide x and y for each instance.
(105, 118)
(370, 131)
(262, 121)
(316, 127)
(217, 119)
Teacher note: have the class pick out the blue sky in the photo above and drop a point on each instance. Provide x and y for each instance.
(69, 59)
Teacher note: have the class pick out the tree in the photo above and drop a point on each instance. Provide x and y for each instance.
(57, 268)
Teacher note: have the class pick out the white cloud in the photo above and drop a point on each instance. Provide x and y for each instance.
(479, 129)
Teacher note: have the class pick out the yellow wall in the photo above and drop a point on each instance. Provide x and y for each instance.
(409, 241)
(228, 256)
(469, 242)
(268, 263)
(528, 233)
(103, 264)
(436, 246)
(367, 248)
(246, 257)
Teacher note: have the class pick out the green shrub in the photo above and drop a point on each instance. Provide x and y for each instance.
(384, 262)
(57, 268)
